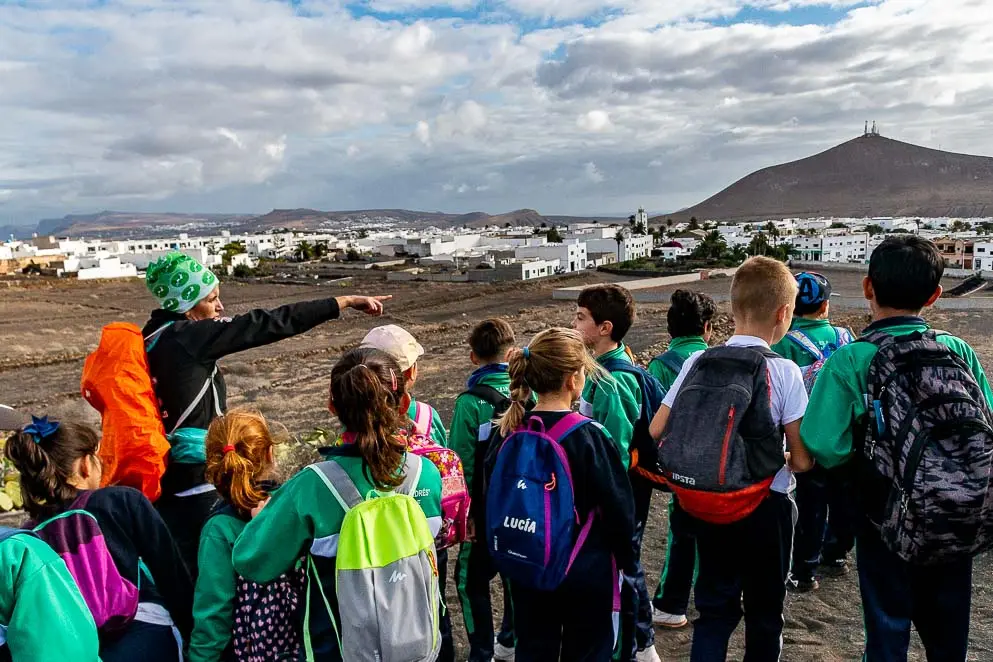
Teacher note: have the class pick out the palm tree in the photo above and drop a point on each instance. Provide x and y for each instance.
(619, 238)
(304, 251)
(321, 249)
(631, 220)
(694, 224)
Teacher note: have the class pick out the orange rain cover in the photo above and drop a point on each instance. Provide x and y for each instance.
(116, 382)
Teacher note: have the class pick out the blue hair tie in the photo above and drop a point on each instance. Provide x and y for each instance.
(41, 428)
(527, 352)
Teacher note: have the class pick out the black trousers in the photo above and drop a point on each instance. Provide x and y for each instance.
(935, 599)
(574, 623)
(637, 631)
(748, 560)
(825, 528)
(447, 653)
(679, 571)
(185, 517)
(474, 571)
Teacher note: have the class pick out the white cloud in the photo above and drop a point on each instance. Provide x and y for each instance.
(593, 173)
(140, 104)
(594, 121)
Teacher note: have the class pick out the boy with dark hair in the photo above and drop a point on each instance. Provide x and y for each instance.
(486, 397)
(690, 324)
(723, 423)
(604, 314)
(914, 562)
(817, 541)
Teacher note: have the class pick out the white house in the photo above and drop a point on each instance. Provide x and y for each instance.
(833, 248)
(110, 267)
(983, 256)
(632, 247)
(571, 254)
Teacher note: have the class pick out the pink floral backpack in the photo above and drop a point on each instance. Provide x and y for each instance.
(454, 491)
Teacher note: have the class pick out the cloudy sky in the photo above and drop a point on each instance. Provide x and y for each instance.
(565, 106)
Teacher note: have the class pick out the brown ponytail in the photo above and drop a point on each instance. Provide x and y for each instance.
(542, 367)
(46, 466)
(367, 388)
(239, 448)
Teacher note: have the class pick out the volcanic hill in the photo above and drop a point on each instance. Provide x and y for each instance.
(865, 177)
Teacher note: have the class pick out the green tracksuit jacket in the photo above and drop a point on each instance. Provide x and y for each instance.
(683, 347)
(820, 331)
(615, 403)
(45, 617)
(213, 603)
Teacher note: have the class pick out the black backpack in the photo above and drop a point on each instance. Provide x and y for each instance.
(927, 452)
(644, 448)
(721, 448)
(268, 618)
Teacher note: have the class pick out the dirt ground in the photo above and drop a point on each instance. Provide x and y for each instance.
(46, 331)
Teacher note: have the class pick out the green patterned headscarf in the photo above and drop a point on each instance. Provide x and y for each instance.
(179, 282)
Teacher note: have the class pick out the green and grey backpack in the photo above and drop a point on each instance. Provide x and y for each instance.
(386, 571)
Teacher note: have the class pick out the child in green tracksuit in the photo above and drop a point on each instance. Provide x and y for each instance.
(303, 517)
(818, 541)
(43, 617)
(487, 393)
(690, 321)
(404, 348)
(604, 314)
(240, 461)
(904, 277)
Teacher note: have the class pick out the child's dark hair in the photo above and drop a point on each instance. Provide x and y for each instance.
(491, 339)
(689, 313)
(609, 303)
(367, 387)
(46, 465)
(905, 271)
(551, 356)
(239, 446)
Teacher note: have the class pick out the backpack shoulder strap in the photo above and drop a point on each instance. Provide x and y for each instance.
(806, 342)
(338, 483)
(487, 393)
(422, 418)
(843, 336)
(412, 465)
(569, 423)
(208, 385)
(671, 360)
(152, 339)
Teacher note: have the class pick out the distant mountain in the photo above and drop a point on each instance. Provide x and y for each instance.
(117, 224)
(868, 176)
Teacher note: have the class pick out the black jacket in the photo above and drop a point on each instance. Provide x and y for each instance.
(185, 355)
(599, 482)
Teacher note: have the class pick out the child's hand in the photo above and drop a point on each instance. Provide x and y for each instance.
(258, 509)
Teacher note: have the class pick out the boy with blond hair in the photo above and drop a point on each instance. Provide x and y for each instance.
(722, 428)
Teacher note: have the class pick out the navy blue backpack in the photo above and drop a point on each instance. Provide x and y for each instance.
(531, 517)
(644, 449)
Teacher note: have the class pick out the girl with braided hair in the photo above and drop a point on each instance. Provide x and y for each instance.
(579, 619)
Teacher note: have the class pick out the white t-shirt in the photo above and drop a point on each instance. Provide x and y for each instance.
(789, 397)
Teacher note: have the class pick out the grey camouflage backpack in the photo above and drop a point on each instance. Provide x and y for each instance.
(386, 569)
(928, 450)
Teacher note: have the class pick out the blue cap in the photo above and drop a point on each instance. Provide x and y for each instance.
(813, 289)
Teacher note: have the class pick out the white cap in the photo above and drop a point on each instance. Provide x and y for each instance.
(397, 342)
(11, 419)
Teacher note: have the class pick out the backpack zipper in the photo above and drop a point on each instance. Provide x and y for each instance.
(727, 442)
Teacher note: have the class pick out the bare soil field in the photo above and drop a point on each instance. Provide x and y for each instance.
(47, 329)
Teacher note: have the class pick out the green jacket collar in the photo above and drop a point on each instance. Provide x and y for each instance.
(687, 344)
(618, 353)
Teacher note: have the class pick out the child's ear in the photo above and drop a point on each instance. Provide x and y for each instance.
(783, 314)
(473, 357)
(404, 403)
(867, 290)
(824, 307)
(934, 297)
(331, 407)
(607, 329)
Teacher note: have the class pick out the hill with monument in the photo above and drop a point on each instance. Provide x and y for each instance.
(869, 176)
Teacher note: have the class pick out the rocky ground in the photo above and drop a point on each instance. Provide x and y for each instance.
(47, 329)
